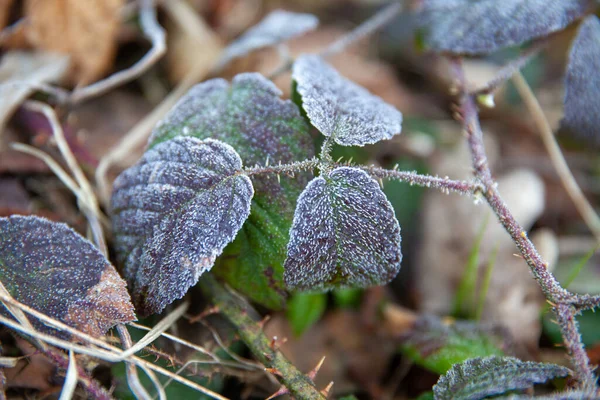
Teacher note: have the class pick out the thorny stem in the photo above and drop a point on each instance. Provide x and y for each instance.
(413, 178)
(251, 333)
(566, 304)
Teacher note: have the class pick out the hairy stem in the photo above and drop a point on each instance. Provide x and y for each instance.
(413, 178)
(250, 331)
(566, 304)
(290, 168)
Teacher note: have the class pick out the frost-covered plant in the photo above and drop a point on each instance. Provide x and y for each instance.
(225, 185)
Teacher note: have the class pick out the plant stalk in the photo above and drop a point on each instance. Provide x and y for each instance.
(250, 331)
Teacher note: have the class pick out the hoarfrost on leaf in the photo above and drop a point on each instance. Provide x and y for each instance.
(277, 27)
(249, 115)
(52, 269)
(173, 213)
(481, 377)
(485, 26)
(344, 234)
(582, 82)
(340, 108)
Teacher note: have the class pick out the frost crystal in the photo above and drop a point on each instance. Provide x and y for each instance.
(51, 268)
(275, 28)
(485, 26)
(174, 212)
(341, 109)
(582, 82)
(344, 233)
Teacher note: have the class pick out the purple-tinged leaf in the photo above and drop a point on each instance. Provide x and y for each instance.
(173, 214)
(277, 27)
(485, 26)
(340, 108)
(481, 377)
(345, 234)
(249, 115)
(582, 82)
(51, 268)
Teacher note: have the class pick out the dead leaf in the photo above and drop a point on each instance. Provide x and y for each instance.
(21, 72)
(86, 30)
(5, 8)
(34, 372)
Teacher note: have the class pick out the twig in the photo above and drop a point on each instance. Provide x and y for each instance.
(371, 25)
(250, 331)
(566, 304)
(508, 70)
(556, 156)
(155, 33)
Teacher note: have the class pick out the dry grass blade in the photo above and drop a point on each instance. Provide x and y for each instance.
(71, 380)
(18, 313)
(567, 179)
(133, 379)
(158, 330)
(155, 33)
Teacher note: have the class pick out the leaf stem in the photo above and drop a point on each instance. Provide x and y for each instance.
(289, 169)
(566, 304)
(250, 331)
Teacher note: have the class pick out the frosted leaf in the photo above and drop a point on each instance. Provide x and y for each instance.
(340, 108)
(249, 115)
(345, 234)
(582, 82)
(481, 377)
(51, 268)
(277, 27)
(173, 213)
(485, 26)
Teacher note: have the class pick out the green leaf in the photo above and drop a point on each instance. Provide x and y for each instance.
(173, 214)
(344, 234)
(304, 309)
(437, 345)
(51, 268)
(480, 377)
(250, 116)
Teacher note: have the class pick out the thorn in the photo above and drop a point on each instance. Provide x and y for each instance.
(396, 167)
(264, 321)
(267, 161)
(268, 356)
(312, 374)
(340, 159)
(381, 182)
(209, 311)
(273, 371)
(273, 344)
(325, 392)
(517, 255)
(282, 390)
(350, 160)
(278, 178)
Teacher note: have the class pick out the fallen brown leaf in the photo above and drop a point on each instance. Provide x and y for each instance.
(5, 7)
(86, 30)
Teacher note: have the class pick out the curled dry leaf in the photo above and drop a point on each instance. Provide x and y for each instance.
(277, 27)
(582, 99)
(482, 377)
(21, 72)
(49, 267)
(250, 116)
(87, 31)
(485, 26)
(173, 214)
(341, 109)
(344, 233)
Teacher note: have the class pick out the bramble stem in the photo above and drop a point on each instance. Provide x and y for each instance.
(566, 304)
(413, 178)
(290, 168)
(250, 331)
